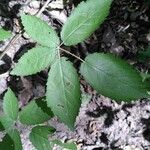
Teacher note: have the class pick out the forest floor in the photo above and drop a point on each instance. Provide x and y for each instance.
(102, 123)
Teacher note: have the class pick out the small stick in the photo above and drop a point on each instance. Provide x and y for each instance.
(71, 54)
(43, 8)
(13, 40)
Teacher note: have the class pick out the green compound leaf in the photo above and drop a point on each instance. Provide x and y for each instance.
(40, 31)
(39, 137)
(63, 91)
(36, 112)
(15, 136)
(4, 34)
(35, 60)
(10, 105)
(113, 77)
(84, 20)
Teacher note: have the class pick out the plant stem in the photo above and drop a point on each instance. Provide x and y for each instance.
(13, 40)
(71, 54)
(43, 8)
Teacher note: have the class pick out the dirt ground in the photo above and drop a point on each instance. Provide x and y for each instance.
(102, 123)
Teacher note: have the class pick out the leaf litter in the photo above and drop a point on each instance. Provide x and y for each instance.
(102, 123)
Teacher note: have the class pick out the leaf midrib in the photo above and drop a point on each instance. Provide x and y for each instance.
(63, 82)
(122, 81)
(79, 26)
(43, 137)
(11, 105)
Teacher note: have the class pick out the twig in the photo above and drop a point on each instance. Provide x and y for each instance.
(13, 40)
(43, 8)
(71, 54)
